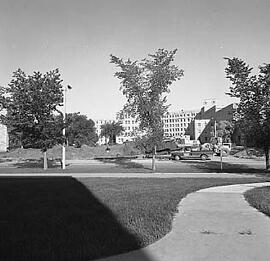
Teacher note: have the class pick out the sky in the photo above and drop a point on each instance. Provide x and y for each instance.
(78, 37)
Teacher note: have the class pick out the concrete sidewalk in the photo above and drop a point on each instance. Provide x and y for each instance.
(213, 224)
(131, 175)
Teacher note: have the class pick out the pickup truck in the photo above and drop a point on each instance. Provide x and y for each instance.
(191, 153)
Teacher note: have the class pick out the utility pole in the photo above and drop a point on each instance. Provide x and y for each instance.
(215, 128)
(64, 129)
(154, 158)
(221, 165)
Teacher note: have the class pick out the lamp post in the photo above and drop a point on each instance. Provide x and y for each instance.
(64, 129)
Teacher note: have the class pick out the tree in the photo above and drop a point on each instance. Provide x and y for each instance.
(111, 130)
(253, 113)
(225, 130)
(80, 130)
(145, 84)
(31, 103)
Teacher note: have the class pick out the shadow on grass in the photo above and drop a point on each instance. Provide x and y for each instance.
(214, 166)
(57, 219)
(125, 163)
(3, 160)
(37, 163)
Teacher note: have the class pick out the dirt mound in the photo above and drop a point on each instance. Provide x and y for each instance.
(85, 152)
(250, 153)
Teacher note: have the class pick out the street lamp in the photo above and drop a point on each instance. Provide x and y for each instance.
(64, 129)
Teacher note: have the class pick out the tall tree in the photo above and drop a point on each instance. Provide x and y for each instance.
(31, 103)
(253, 111)
(145, 84)
(80, 130)
(111, 131)
(225, 130)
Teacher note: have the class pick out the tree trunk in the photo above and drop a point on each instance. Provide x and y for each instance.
(266, 152)
(45, 162)
(154, 158)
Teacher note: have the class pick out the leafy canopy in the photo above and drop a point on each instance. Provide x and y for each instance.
(80, 130)
(145, 84)
(225, 130)
(31, 103)
(111, 130)
(253, 91)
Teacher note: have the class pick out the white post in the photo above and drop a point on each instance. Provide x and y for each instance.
(45, 162)
(154, 159)
(221, 155)
(221, 167)
(64, 132)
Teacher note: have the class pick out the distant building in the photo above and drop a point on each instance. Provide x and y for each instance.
(218, 113)
(209, 103)
(130, 125)
(203, 127)
(196, 128)
(98, 124)
(181, 125)
(176, 123)
(3, 138)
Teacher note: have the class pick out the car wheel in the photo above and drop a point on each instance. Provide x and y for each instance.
(176, 157)
(225, 152)
(204, 157)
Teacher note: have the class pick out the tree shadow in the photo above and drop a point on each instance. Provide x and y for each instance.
(125, 163)
(58, 219)
(37, 163)
(3, 160)
(214, 166)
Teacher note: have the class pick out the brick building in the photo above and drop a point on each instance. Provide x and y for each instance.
(203, 127)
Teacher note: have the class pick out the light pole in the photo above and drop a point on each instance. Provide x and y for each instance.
(64, 129)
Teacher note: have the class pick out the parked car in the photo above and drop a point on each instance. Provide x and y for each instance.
(189, 152)
(226, 149)
(227, 145)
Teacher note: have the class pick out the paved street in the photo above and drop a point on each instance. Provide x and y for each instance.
(143, 166)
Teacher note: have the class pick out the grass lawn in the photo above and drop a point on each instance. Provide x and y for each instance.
(259, 198)
(61, 219)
